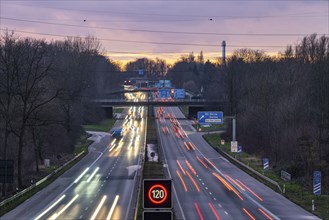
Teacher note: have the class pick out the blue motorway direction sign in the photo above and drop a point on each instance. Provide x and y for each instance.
(239, 149)
(317, 183)
(165, 83)
(266, 163)
(210, 117)
(179, 93)
(141, 72)
(164, 93)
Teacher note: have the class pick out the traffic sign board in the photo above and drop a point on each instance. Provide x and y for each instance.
(266, 163)
(317, 182)
(157, 194)
(210, 117)
(179, 93)
(164, 93)
(159, 215)
(239, 149)
(234, 146)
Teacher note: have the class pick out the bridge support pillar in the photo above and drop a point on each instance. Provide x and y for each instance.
(150, 111)
(193, 111)
(109, 112)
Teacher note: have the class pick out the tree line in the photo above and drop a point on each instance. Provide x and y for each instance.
(45, 93)
(282, 105)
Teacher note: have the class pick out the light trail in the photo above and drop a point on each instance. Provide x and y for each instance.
(213, 210)
(180, 166)
(193, 181)
(210, 162)
(109, 216)
(50, 207)
(114, 140)
(227, 185)
(54, 216)
(98, 208)
(187, 147)
(93, 174)
(250, 190)
(264, 213)
(192, 145)
(198, 210)
(180, 177)
(83, 173)
(235, 183)
(245, 210)
(205, 165)
(190, 167)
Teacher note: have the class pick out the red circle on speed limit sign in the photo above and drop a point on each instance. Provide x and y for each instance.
(157, 194)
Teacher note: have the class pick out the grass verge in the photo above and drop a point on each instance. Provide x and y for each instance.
(215, 127)
(104, 125)
(82, 144)
(118, 110)
(294, 191)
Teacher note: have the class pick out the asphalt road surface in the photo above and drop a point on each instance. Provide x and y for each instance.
(207, 186)
(100, 186)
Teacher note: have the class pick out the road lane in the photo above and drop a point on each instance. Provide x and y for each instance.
(116, 177)
(246, 200)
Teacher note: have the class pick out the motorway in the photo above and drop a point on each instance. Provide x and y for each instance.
(102, 185)
(206, 185)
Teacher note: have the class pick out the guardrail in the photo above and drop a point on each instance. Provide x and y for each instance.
(244, 166)
(21, 193)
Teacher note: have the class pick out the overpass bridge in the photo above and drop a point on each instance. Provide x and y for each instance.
(194, 105)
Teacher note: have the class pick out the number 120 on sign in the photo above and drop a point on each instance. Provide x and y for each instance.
(157, 194)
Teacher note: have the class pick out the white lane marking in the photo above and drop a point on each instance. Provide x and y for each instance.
(215, 199)
(91, 201)
(238, 189)
(210, 193)
(50, 207)
(180, 207)
(206, 188)
(80, 216)
(219, 205)
(202, 183)
(226, 212)
(86, 208)
(102, 185)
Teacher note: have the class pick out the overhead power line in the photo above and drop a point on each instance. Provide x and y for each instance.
(162, 31)
(110, 12)
(169, 0)
(150, 42)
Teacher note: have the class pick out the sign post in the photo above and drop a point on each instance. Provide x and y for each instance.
(317, 182)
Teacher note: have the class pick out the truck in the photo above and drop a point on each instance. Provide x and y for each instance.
(116, 133)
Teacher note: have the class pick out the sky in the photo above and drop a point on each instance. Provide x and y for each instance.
(130, 29)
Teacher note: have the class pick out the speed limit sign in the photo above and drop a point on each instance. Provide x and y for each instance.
(157, 194)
